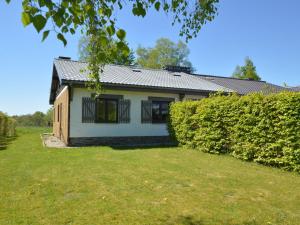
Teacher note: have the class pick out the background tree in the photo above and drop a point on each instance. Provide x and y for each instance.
(97, 19)
(165, 52)
(248, 71)
(37, 119)
(49, 117)
(119, 58)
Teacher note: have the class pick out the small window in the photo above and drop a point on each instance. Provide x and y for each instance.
(53, 114)
(160, 111)
(58, 113)
(106, 110)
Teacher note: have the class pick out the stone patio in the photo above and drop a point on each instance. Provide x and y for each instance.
(50, 141)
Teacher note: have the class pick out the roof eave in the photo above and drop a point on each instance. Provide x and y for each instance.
(141, 87)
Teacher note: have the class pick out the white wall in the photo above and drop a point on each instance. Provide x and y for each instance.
(134, 128)
(193, 97)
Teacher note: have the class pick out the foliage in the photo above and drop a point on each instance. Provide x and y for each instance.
(255, 127)
(163, 186)
(248, 71)
(119, 58)
(97, 19)
(37, 119)
(7, 129)
(165, 52)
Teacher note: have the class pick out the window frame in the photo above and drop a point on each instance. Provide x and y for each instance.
(106, 100)
(160, 102)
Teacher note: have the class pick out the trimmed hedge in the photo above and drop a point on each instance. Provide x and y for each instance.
(7, 129)
(255, 127)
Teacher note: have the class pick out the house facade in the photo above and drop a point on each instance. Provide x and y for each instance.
(132, 109)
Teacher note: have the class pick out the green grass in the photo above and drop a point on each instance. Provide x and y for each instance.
(101, 185)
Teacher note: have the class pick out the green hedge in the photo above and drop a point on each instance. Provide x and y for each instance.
(7, 129)
(255, 127)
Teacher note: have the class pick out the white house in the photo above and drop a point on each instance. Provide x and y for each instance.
(133, 107)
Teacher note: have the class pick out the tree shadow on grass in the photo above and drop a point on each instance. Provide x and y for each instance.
(182, 220)
(5, 141)
(191, 220)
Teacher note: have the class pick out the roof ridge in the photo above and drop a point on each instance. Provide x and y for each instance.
(234, 78)
(68, 60)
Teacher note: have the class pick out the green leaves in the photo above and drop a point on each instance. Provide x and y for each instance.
(248, 71)
(25, 19)
(41, 3)
(111, 30)
(138, 9)
(62, 38)
(121, 34)
(45, 34)
(165, 52)
(39, 22)
(157, 6)
(58, 18)
(123, 48)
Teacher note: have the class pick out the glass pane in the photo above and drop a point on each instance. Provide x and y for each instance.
(100, 110)
(164, 110)
(155, 112)
(112, 110)
(160, 111)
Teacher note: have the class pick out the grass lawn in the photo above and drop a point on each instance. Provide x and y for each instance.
(101, 185)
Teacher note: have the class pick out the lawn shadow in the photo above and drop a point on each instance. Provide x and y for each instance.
(182, 220)
(5, 141)
(191, 220)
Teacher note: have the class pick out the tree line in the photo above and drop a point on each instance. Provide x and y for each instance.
(37, 119)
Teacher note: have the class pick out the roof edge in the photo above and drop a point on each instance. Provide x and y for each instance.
(142, 87)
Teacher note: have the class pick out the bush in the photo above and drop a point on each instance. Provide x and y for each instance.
(7, 129)
(255, 127)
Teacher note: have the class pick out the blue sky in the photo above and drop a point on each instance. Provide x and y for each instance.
(267, 31)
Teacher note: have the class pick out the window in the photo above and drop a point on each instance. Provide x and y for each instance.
(54, 119)
(155, 109)
(160, 111)
(106, 110)
(58, 113)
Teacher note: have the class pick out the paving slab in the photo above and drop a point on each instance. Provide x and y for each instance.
(50, 141)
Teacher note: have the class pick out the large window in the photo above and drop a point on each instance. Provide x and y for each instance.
(160, 111)
(106, 110)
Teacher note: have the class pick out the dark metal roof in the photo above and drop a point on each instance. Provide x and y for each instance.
(295, 88)
(243, 86)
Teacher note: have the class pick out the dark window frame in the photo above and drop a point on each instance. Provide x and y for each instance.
(106, 100)
(160, 103)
